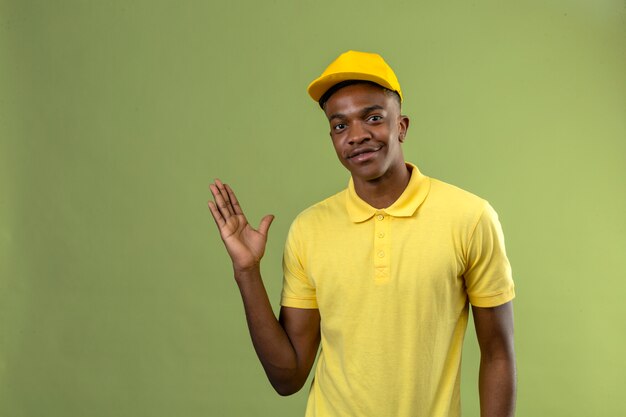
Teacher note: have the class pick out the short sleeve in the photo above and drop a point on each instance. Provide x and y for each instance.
(488, 278)
(298, 291)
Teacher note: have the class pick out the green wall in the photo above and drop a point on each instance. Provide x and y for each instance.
(116, 296)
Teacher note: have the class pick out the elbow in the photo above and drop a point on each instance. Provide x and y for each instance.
(286, 392)
(287, 388)
(286, 380)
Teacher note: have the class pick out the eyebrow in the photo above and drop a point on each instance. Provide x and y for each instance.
(363, 112)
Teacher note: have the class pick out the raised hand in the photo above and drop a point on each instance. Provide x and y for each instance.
(244, 244)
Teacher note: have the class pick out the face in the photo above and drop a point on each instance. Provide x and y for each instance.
(367, 130)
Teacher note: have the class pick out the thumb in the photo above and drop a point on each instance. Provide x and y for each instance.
(265, 224)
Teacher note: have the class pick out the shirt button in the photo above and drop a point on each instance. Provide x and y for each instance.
(380, 217)
(381, 254)
(381, 235)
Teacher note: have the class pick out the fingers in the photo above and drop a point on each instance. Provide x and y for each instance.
(222, 200)
(217, 216)
(233, 200)
(265, 224)
(224, 193)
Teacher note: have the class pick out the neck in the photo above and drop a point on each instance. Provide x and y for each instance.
(384, 191)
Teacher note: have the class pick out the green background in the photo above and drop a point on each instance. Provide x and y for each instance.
(116, 295)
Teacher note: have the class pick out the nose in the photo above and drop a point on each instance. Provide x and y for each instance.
(358, 134)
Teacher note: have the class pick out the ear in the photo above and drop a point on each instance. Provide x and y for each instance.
(403, 127)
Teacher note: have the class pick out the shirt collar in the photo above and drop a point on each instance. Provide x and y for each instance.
(405, 206)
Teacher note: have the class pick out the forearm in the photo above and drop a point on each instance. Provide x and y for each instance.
(497, 386)
(286, 348)
(272, 345)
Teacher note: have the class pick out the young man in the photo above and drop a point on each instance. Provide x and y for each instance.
(381, 273)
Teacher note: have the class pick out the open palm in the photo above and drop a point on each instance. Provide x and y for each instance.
(244, 244)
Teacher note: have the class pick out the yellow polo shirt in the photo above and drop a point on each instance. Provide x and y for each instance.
(392, 287)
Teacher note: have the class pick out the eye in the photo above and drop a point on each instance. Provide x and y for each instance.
(339, 126)
(375, 118)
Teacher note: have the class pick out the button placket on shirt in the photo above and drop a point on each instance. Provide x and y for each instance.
(382, 256)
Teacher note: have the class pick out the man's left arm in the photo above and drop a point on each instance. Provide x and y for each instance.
(497, 380)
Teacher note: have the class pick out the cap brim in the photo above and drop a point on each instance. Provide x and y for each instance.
(321, 85)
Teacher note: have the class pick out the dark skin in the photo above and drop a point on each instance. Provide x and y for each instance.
(286, 347)
(367, 130)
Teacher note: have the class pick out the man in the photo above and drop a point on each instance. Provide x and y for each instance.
(381, 273)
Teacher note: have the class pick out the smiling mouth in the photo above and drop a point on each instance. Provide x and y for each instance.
(364, 151)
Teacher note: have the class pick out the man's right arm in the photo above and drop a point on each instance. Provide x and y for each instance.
(285, 347)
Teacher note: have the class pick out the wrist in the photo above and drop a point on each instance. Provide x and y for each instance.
(247, 273)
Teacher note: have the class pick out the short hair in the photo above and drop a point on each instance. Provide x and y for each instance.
(332, 90)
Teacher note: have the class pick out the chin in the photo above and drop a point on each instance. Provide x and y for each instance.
(368, 173)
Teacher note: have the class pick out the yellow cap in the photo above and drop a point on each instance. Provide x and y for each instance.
(353, 65)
